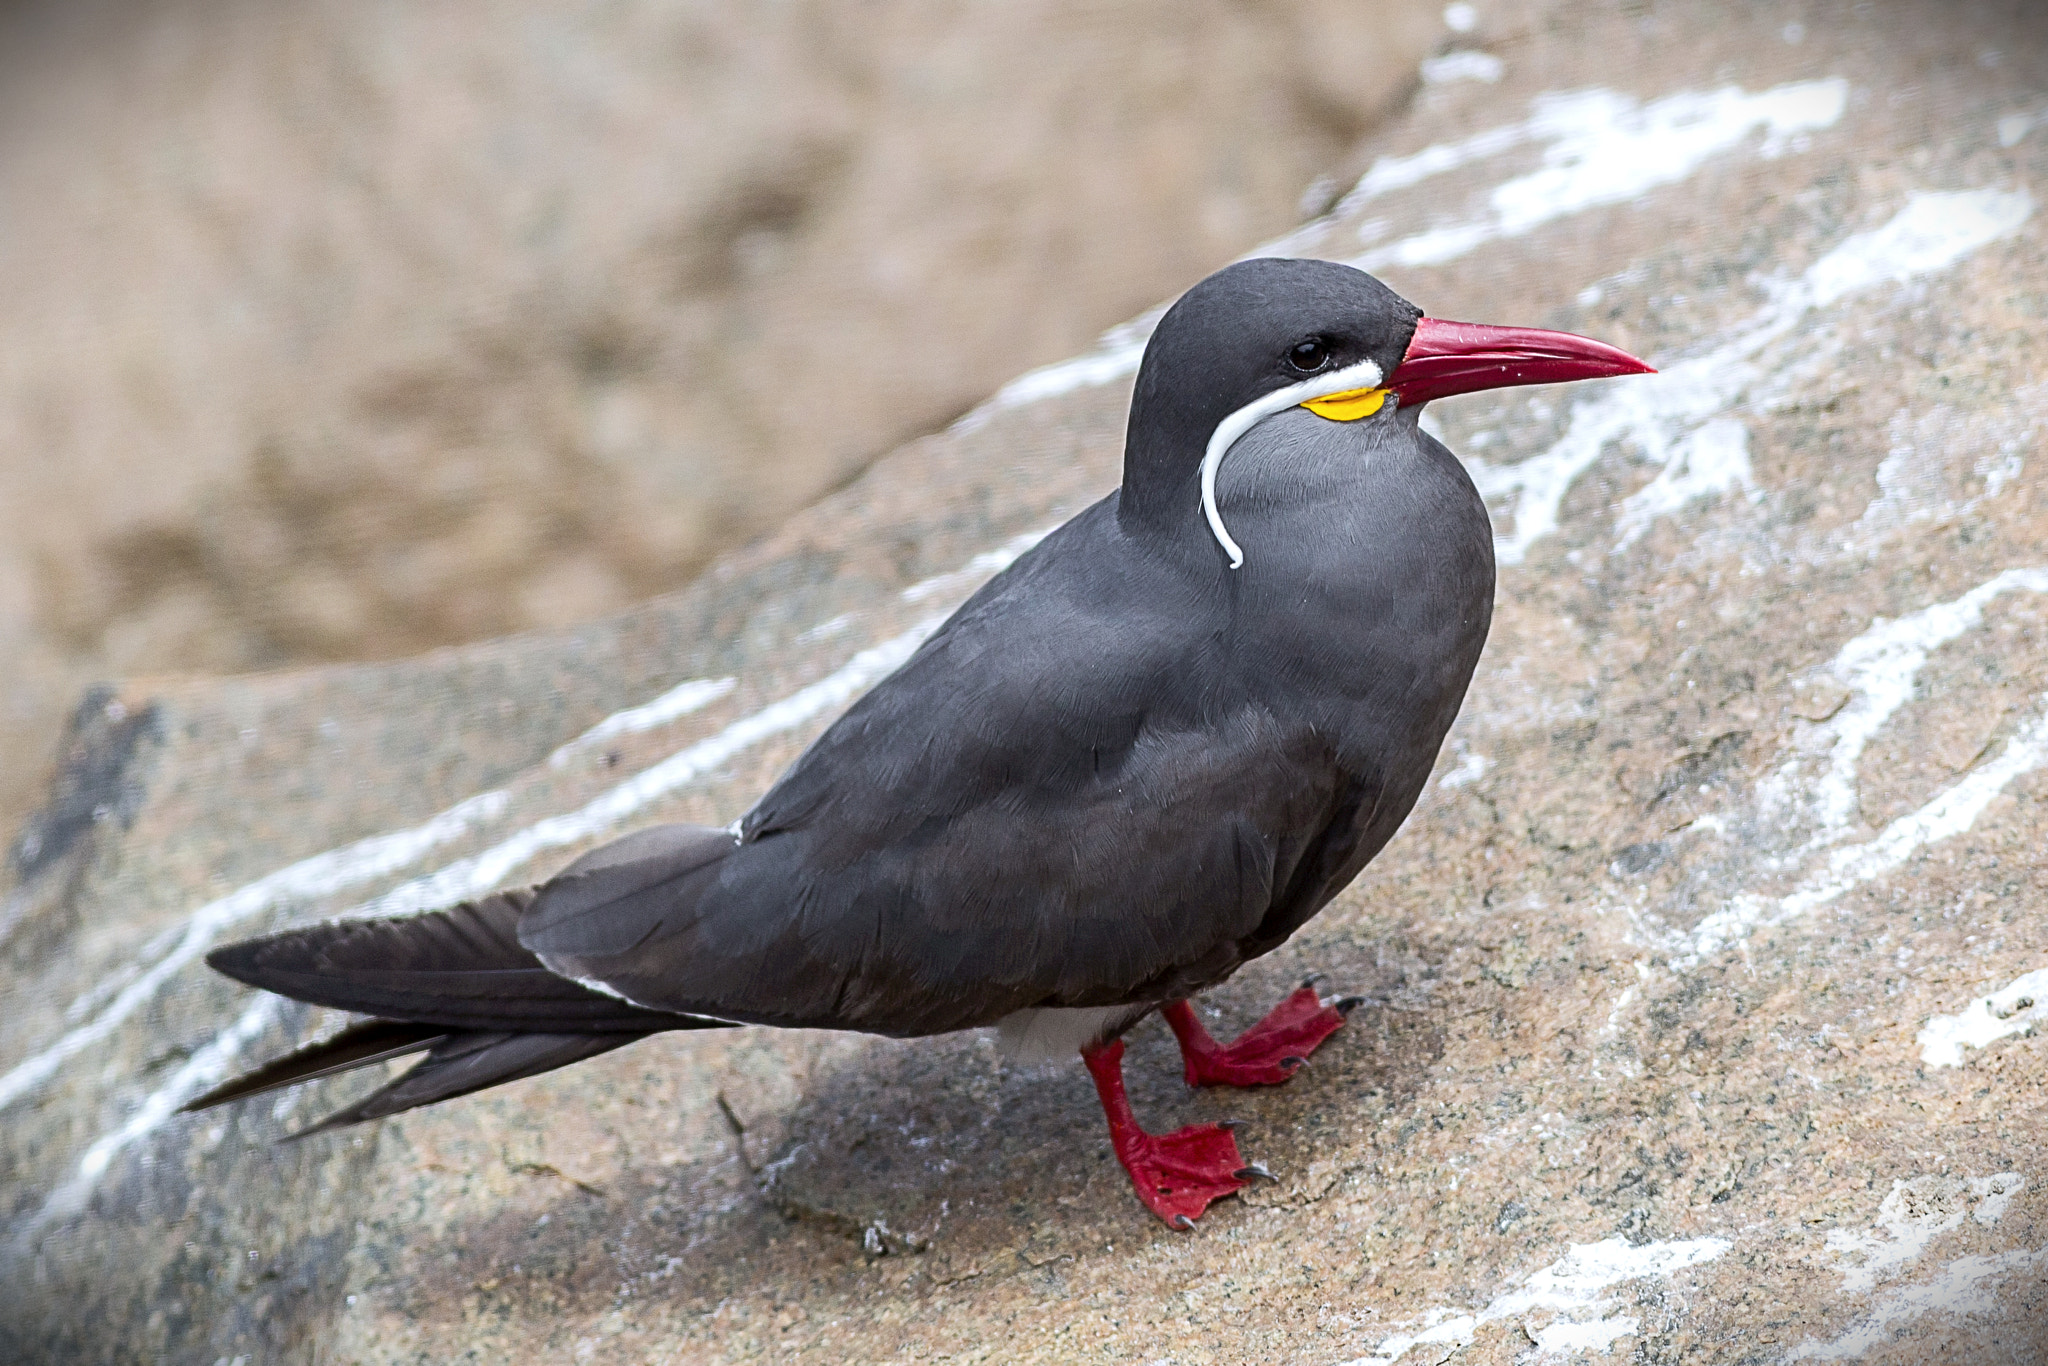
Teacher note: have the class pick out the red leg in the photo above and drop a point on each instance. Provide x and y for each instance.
(1266, 1054)
(1175, 1174)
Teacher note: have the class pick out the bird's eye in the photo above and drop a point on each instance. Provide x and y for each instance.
(1309, 356)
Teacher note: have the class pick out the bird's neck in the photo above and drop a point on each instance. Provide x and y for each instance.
(1161, 487)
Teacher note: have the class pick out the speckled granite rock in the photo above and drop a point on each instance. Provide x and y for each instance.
(1701, 982)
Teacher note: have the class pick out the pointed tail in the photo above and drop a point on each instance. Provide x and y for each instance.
(455, 984)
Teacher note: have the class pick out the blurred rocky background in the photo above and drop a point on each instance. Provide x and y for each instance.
(336, 330)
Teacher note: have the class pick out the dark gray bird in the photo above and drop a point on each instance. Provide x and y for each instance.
(1142, 756)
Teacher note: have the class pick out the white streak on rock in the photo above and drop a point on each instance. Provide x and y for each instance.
(1920, 479)
(1912, 1216)
(1604, 148)
(1962, 1288)
(1600, 1335)
(1470, 769)
(1653, 411)
(1467, 64)
(472, 877)
(982, 567)
(1909, 485)
(1994, 1196)
(1575, 1283)
(2013, 128)
(678, 702)
(1998, 469)
(1880, 666)
(203, 1069)
(2015, 1009)
(1712, 460)
(1817, 783)
(1658, 412)
(1115, 356)
(830, 629)
(1949, 813)
(308, 880)
(1389, 174)
(1932, 233)
(13, 907)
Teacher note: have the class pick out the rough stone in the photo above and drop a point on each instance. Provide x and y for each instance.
(1701, 984)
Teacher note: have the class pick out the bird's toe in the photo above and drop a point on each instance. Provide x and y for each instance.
(1179, 1175)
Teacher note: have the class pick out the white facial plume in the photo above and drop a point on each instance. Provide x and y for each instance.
(1364, 376)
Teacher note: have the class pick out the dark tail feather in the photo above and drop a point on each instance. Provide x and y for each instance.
(463, 967)
(456, 983)
(357, 1046)
(461, 1063)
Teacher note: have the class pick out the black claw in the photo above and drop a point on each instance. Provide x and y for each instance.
(1313, 978)
(1231, 1123)
(1344, 1005)
(1293, 1062)
(1253, 1171)
(1182, 1222)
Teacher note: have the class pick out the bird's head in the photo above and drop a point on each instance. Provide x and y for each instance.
(1268, 334)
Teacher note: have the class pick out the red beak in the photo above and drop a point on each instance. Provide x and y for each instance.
(1446, 358)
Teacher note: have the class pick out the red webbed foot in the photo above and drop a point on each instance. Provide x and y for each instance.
(1179, 1174)
(1269, 1052)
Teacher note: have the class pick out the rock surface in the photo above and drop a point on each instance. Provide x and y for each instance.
(1702, 981)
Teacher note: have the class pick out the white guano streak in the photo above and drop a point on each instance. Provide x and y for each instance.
(1880, 667)
(307, 880)
(484, 872)
(1466, 64)
(1949, 813)
(1961, 1289)
(1669, 415)
(976, 571)
(1912, 1218)
(462, 879)
(1574, 1284)
(678, 702)
(209, 1065)
(323, 874)
(1600, 149)
(2013, 1009)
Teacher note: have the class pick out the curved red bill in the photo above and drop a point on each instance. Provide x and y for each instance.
(1446, 358)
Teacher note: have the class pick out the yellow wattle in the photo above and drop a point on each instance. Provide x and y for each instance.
(1348, 406)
